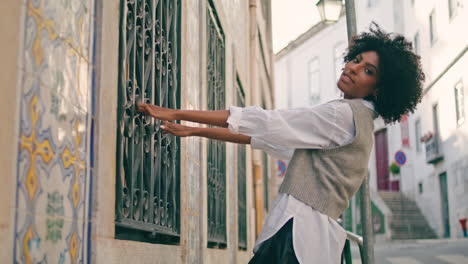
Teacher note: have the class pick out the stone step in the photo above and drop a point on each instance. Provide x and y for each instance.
(404, 213)
(409, 226)
(407, 221)
(403, 208)
(387, 194)
(408, 218)
(406, 235)
(413, 222)
(412, 234)
(401, 203)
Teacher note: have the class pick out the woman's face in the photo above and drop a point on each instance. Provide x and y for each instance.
(360, 75)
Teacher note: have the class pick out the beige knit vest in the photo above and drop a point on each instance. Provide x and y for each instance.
(326, 179)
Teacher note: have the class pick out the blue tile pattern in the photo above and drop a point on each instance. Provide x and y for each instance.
(54, 152)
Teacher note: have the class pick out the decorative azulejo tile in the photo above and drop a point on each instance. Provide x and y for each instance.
(55, 52)
(51, 239)
(69, 22)
(52, 171)
(53, 175)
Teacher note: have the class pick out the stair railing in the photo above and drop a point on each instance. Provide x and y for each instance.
(366, 242)
(346, 257)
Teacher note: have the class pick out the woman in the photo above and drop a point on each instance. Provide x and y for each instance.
(329, 145)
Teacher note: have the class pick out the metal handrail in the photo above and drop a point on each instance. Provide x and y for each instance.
(365, 242)
(355, 238)
(346, 256)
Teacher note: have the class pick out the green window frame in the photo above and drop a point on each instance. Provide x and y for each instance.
(216, 167)
(241, 179)
(148, 162)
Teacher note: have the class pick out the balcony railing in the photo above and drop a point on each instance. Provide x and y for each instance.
(433, 150)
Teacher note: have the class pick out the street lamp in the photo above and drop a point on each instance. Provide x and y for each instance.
(329, 10)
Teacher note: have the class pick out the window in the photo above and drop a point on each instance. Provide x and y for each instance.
(216, 167)
(432, 27)
(417, 131)
(453, 7)
(459, 103)
(148, 176)
(241, 179)
(416, 43)
(404, 131)
(420, 187)
(338, 54)
(314, 81)
(435, 118)
(372, 3)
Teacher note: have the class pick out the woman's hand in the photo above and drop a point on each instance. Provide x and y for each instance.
(177, 130)
(157, 112)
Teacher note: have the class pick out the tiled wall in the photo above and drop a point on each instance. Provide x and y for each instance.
(56, 113)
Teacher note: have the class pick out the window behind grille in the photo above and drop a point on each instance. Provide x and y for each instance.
(216, 167)
(148, 176)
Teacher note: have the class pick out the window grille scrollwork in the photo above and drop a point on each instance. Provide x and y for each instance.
(148, 176)
(216, 149)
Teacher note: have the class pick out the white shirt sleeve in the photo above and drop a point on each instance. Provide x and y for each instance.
(279, 132)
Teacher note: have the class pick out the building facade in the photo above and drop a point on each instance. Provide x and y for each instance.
(437, 175)
(434, 174)
(87, 179)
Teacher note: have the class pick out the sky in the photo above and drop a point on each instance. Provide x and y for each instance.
(291, 18)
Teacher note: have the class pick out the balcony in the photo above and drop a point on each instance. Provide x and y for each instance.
(433, 150)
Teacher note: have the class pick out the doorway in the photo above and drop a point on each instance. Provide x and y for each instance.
(445, 203)
(381, 157)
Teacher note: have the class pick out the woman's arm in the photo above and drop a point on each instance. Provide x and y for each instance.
(214, 133)
(214, 118)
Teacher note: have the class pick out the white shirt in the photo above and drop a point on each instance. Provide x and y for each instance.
(317, 238)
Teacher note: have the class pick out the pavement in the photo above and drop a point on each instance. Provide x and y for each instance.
(426, 251)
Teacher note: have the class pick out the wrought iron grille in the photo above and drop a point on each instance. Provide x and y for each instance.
(148, 176)
(216, 149)
(241, 180)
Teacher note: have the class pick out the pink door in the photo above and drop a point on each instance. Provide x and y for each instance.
(381, 155)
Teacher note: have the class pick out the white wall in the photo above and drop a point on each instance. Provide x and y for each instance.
(291, 71)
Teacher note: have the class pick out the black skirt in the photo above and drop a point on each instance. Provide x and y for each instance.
(278, 248)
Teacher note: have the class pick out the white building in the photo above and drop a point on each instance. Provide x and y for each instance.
(306, 71)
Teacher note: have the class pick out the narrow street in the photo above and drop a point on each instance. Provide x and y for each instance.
(440, 251)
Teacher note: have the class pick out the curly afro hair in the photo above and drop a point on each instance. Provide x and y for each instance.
(399, 87)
